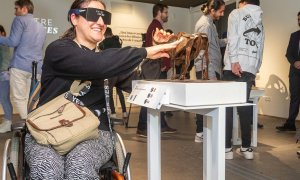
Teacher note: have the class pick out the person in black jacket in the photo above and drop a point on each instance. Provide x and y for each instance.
(113, 41)
(75, 57)
(293, 56)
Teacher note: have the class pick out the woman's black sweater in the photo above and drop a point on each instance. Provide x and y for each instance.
(65, 62)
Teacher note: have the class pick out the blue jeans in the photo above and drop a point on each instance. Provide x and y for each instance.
(5, 99)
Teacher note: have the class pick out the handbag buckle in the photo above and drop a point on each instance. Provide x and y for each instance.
(66, 123)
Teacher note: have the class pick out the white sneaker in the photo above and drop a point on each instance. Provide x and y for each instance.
(2, 120)
(246, 152)
(5, 126)
(228, 153)
(114, 116)
(199, 137)
(125, 115)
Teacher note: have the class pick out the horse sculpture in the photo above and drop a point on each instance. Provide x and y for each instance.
(190, 46)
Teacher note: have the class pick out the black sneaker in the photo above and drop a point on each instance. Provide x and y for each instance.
(168, 130)
(286, 127)
(141, 133)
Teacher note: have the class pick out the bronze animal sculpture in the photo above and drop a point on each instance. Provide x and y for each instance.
(190, 46)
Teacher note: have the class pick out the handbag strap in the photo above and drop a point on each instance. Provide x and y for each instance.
(78, 89)
(107, 99)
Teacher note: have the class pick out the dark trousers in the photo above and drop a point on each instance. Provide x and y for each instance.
(245, 112)
(121, 98)
(142, 125)
(295, 99)
(163, 75)
(199, 117)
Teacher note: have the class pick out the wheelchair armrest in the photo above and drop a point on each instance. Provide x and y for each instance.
(19, 125)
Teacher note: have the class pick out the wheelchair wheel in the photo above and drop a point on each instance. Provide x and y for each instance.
(15, 154)
(5, 157)
(121, 154)
(12, 157)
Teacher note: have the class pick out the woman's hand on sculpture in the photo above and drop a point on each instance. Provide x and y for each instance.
(162, 37)
(159, 51)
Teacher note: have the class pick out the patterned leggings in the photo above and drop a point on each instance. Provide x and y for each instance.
(83, 162)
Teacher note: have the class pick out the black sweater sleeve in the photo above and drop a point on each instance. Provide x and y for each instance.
(69, 61)
(124, 82)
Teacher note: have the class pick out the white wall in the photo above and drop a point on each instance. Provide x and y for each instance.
(280, 20)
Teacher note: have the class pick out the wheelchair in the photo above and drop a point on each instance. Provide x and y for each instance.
(13, 158)
(117, 168)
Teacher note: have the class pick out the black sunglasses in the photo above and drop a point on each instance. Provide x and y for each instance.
(92, 14)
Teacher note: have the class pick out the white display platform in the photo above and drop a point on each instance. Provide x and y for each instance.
(187, 92)
(162, 95)
(255, 94)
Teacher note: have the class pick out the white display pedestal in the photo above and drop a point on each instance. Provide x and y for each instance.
(147, 93)
(255, 94)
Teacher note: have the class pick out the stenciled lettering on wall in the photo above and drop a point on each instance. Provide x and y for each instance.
(48, 24)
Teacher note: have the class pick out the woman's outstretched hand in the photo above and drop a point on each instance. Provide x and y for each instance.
(159, 51)
(162, 37)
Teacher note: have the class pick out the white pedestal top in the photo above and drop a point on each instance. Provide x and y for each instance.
(153, 93)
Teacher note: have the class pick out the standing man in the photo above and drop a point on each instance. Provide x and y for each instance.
(212, 11)
(27, 37)
(5, 56)
(243, 58)
(293, 56)
(152, 69)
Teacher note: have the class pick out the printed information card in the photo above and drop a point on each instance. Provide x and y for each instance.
(147, 95)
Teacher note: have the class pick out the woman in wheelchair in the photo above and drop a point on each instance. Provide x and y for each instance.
(75, 57)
